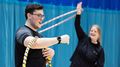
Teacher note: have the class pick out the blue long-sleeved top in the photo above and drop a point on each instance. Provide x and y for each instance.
(86, 54)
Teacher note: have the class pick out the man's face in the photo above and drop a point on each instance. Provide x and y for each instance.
(37, 18)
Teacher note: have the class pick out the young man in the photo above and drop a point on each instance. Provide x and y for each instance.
(28, 35)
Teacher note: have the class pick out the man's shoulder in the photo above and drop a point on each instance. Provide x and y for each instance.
(22, 30)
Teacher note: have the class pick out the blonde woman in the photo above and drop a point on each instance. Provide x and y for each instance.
(89, 52)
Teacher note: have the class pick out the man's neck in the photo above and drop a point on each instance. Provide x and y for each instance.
(30, 26)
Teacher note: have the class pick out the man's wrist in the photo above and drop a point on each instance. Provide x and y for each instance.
(59, 40)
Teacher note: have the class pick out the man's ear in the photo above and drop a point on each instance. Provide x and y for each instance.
(29, 15)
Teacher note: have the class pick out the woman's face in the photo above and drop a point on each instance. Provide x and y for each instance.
(94, 33)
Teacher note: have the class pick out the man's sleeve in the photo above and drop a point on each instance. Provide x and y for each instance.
(21, 35)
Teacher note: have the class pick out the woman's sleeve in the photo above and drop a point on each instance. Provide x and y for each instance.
(101, 59)
(79, 31)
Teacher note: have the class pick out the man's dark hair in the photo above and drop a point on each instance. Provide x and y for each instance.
(30, 8)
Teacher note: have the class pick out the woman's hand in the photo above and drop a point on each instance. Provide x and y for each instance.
(79, 8)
